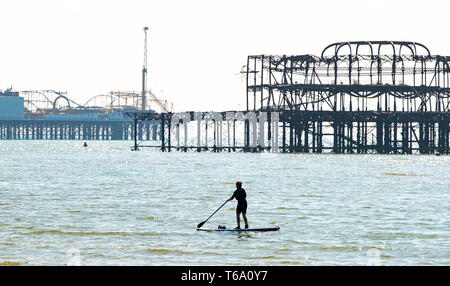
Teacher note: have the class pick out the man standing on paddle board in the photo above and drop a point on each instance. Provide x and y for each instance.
(240, 196)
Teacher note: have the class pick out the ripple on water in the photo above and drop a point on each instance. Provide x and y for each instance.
(291, 263)
(341, 248)
(167, 251)
(10, 263)
(394, 235)
(395, 174)
(95, 233)
(9, 244)
(283, 250)
(147, 218)
(260, 257)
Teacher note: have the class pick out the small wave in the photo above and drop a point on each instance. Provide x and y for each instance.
(24, 227)
(151, 233)
(213, 253)
(294, 241)
(291, 262)
(287, 208)
(395, 235)
(214, 247)
(77, 233)
(340, 247)
(9, 244)
(261, 257)
(10, 263)
(385, 256)
(94, 233)
(147, 218)
(167, 251)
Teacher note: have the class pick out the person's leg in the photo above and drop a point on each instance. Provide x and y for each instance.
(244, 215)
(238, 219)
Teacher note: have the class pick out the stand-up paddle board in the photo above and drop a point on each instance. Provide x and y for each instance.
(241, 229)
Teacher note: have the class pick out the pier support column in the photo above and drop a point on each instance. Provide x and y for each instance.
(230, 117)
(186, 120)
(275, 122)
(163, 134)
(253, 122)
(198, 117)
(262, 122)
(379, 137)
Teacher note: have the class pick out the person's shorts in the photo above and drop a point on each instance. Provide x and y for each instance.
(241, 207)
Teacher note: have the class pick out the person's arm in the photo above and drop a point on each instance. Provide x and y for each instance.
(232, 197)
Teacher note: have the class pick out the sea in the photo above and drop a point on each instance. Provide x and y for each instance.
(65, 204)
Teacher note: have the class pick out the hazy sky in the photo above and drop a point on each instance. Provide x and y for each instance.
(196, 48)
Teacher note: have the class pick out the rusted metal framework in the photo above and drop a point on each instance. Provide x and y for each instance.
(350, 76)
(379, 96)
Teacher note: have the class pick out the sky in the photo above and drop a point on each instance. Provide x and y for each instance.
(196, 49)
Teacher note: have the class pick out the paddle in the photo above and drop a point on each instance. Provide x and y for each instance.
(203, 222)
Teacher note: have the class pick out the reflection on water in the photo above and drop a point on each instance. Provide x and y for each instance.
(62, 204)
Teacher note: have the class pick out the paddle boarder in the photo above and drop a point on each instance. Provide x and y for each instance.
(240, 195)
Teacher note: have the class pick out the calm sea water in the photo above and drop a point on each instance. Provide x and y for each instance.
(62, 204)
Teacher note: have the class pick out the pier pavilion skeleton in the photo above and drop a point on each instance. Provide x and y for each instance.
(356, 97)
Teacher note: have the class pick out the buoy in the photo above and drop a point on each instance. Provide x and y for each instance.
(438, 154)
(85, 144)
